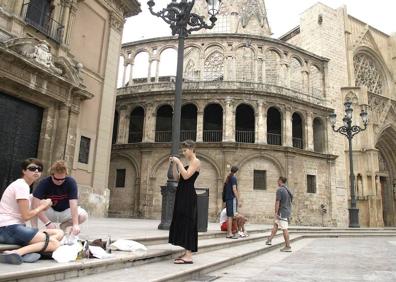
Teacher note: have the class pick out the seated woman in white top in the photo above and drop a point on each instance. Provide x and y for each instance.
(15, 211)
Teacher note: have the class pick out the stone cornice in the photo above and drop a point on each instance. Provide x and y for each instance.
(211, 37)
(124, 8)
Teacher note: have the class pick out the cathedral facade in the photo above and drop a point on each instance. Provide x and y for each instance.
(263, 104)
(58, 68)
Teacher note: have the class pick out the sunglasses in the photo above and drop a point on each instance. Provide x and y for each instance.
(34, 168)
(58, 179)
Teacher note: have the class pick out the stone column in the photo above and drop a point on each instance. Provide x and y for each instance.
(157, 71)
(285, 76)
(65, 18)
(18, 7)
(228, 122)
(287, 130)
(149, 70)
(61, 132)
(124, 75)
(200, 125)
(261, 124)
(149, 124)
(130, 79)
(309, 137)
(123, 126)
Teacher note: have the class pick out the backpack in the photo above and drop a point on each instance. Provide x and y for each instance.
(224, 192)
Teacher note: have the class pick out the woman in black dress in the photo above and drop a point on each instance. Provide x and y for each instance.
(184, 230)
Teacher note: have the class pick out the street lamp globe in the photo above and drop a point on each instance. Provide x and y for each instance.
(213, 7)
(364, 116)
(333, 119)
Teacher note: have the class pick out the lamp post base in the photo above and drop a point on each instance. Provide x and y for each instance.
(168, 201)
(354, 218)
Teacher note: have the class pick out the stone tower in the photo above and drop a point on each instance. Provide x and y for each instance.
(238, 16)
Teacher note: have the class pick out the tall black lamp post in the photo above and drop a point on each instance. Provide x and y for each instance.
(182, 22)
(350, 131)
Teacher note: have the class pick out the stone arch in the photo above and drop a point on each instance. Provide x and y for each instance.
(386, 144)
(315, 80)
(245, 64)
(168, 61)
(272, 66)
(277, 163)
(365, 59)
(214, 45)
(251, 47)
(214, 65)
(165, 47)
(130, 158)
(192, 63)
(295, 73)
(123, 199)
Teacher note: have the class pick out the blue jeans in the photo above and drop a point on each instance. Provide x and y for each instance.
(17, 234)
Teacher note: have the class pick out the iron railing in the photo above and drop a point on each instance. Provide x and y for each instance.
(274, 139)
(244, 136)
(297, 143)
(188, 135)
(212, 135)
(41, 20)
(135, 137)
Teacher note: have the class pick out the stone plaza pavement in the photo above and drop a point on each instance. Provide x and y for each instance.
(317, 260)
(319, 254)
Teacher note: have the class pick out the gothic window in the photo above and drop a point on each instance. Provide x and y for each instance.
(367, 74)
(190, 72)
(245, 57)
(214, 67)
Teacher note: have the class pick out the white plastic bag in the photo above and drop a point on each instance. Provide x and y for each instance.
(99, 253)
(67, 253)
(128, 246)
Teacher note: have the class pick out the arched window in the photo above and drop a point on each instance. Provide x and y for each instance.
(163, 127)
(319, 135)
(213, 123)
(167, 65)
(115, 128)
(214, 67)
(297, 131)
(272, 67)
(244, 67)
(140, 68)
(245, 124)
(368, 74)
(136, 125)
(295, 74)
(188, 126)
(274, 127)
(316, 81)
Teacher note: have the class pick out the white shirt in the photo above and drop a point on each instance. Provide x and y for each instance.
(9, 208)
(223, 216)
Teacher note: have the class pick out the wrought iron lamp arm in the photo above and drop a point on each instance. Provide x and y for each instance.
(179, 17)
(349, 131)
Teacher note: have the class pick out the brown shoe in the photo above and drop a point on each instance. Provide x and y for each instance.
(286, 249)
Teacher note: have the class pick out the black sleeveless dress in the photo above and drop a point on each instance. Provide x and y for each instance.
(183, 231)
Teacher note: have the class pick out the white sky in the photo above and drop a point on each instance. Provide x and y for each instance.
(283, 15)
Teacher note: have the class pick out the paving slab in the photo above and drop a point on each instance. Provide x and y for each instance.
(327, 259)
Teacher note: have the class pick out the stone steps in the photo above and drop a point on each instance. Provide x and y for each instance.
(160, 254)
(51, 271)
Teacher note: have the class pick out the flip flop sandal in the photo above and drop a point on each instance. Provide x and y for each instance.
(182, 261)
(30, 258)
(11, 258)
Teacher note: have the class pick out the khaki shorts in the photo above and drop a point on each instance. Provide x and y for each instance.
(62, 216)
(282, 223)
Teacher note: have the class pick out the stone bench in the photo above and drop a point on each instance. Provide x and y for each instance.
(6, 247)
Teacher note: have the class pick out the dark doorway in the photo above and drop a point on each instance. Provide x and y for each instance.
(245, 124)
(115, 128)
(213, 123)
(297, 131)
(274, 127)
(163, 127)
(188, 125)
(136, 125)
(20, 127)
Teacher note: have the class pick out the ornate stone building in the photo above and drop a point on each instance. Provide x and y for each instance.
(58, 68)
(262, 104)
